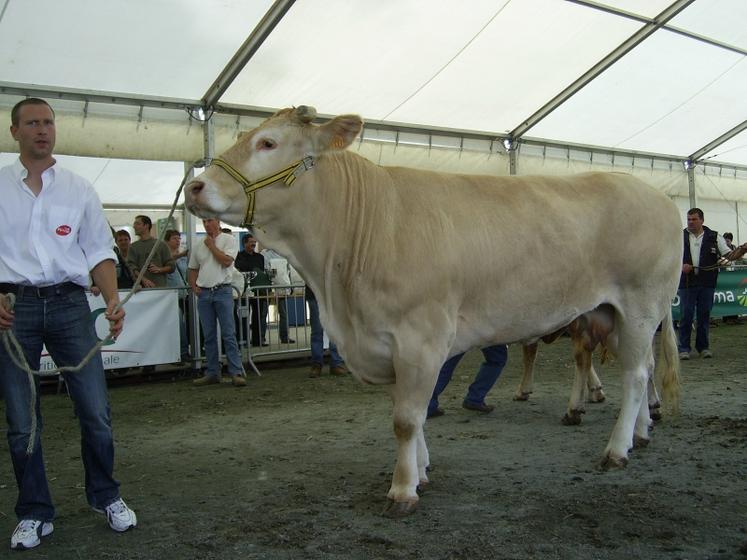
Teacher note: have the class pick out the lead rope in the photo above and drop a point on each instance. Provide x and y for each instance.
(13, 347)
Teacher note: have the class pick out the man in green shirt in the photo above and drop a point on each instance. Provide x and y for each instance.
(161, 264)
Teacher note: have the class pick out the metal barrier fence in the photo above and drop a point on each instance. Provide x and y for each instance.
(282, 324)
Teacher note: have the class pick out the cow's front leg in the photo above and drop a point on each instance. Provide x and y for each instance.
(410, 396)
(576, 402)
(596, 393)
(529, 352)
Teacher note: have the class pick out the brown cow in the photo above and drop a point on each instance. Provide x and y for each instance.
(587, 332)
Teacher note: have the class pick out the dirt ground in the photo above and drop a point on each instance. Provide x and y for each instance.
(292, 467)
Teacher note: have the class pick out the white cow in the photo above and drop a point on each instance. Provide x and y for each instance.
(411, 267)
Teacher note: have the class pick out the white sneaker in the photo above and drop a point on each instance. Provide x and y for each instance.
(120, 517)
(29, 532)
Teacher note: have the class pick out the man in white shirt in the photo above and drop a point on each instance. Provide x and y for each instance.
(54, 235)
(210, 270)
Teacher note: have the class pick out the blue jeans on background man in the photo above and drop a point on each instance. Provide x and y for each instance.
(64, 324)
(695, 303)
(495, 360)
(217, 305)
(317, 339)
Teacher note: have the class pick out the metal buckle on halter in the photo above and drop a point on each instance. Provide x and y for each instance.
(304, 165)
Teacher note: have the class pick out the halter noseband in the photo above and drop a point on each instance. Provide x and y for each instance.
(288, 175)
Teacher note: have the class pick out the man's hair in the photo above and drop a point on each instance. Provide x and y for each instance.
(170, 233)
(122, 232)
(729, 235)
(247, 237)
(697, 211)
(14, 119)
(145, 219)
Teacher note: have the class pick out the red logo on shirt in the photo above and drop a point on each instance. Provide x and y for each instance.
(63, 230)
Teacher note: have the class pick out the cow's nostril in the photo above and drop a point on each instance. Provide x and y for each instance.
(195, 187)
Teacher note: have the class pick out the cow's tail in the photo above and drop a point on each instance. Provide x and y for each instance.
(669, 365)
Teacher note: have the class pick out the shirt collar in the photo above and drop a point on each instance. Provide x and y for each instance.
(20, 172)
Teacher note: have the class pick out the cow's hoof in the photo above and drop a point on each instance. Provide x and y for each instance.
(572, 418)
(640, 442)
(522, 396)
(609, 463)
(397, 510)
(597, 395)
(422, 487)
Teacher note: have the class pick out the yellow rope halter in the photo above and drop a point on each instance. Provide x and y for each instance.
(288, 175)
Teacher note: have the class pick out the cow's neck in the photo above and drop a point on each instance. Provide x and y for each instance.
(326, 227)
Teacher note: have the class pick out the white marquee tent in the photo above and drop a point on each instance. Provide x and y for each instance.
(654, 87)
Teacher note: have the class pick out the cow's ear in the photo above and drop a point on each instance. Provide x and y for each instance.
(340, 132)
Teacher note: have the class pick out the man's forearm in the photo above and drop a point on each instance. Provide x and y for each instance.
(105, 278)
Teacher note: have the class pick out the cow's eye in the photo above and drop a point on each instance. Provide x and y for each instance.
(266, 144)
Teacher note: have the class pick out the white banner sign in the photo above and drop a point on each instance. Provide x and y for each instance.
(150, 335)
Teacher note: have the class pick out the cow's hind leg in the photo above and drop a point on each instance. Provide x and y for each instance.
(529, 352)
(654, 401)
(635, 356)
(643, 423)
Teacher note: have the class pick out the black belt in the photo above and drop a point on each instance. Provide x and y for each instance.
(43, 292)
(215, 287)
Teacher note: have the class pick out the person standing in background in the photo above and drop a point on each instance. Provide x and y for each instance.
(122, 240)
(703, 251)
(249, 260)
(210, 271)
(161, 264)
(178, 279)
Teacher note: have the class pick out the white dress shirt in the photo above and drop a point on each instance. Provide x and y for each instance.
(696, 241)
(57, 236)
(211, 272)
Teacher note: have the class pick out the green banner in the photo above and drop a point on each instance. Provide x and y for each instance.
(730, 297)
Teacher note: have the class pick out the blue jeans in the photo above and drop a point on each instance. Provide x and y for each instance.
(495, 360)
(695, 303)
(317, 339)
(217, 305)
(64, 324)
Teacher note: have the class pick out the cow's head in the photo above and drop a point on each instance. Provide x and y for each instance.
(283, 139)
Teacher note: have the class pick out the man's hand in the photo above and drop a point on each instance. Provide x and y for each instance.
(95, 290)
(153, 269)
(116, 319)
(209, 242)
(146, 283)
(6, 316)
(196, 289)
(687, 268)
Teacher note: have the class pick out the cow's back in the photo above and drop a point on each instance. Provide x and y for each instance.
(509, 258)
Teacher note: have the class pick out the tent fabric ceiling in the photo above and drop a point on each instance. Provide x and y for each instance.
(427, 63)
